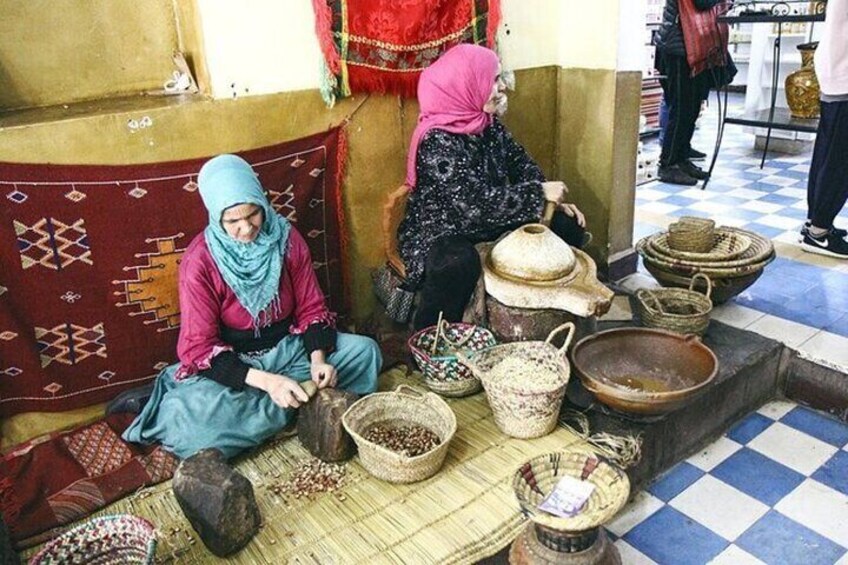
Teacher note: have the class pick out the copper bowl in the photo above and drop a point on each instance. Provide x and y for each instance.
(643, 371)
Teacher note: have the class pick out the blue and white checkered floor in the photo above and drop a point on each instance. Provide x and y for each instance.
(801, 299)
(773, 490)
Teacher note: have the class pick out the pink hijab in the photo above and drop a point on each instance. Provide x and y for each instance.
(451, 93)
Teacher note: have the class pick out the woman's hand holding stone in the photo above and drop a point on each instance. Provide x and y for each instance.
(324, 375)
(284, 391)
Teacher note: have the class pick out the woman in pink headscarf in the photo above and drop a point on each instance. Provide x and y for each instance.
(471, 182)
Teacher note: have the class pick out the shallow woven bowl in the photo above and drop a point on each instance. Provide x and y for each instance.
(443, 373)
(404, 406)
(712, 272)
(760, 252)
(729, 244)
(534, 480)
(121, 539)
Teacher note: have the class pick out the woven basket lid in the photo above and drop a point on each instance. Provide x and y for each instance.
(533, 253)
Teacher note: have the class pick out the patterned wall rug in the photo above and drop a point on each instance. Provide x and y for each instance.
(89, 258)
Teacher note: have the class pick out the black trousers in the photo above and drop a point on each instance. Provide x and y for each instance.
(453, 267)
(827, 185)
(683, 96)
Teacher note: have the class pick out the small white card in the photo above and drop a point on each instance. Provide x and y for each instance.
(568, 497)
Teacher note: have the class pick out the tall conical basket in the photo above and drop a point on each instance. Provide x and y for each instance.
(527, 403)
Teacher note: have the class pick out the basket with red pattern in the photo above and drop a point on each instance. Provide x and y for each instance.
(109, 540)
(435, 350)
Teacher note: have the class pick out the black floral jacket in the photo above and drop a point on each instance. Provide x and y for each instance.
(472, 185)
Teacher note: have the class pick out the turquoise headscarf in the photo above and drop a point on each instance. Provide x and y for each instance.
(252, 269)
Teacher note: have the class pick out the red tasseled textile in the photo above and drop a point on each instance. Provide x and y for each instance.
(382, 45)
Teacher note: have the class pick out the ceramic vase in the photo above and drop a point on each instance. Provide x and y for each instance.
(802, 86)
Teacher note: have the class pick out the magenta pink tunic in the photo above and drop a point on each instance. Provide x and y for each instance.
(206, 302)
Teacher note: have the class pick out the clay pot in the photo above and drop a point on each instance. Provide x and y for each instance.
(802, 86)
(533, 253)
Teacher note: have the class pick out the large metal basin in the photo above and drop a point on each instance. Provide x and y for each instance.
(643, 371)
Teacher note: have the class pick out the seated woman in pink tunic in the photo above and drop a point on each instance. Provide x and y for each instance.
(254, 325)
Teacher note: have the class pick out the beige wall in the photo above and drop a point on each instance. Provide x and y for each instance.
(568, 114)
(267, 46)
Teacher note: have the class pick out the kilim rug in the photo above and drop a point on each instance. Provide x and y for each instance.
(383, 45)
(466, 512)
(58, 479)
(89, 258)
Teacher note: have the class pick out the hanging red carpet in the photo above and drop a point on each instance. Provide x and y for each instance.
(382, 45)
(58, 479)
(89, 258)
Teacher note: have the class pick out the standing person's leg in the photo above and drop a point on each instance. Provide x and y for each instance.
(450, 275)
(827, 188)
(677, 87)
(692, 109)
(693, 154)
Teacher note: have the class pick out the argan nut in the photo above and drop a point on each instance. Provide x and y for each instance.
(309, 387)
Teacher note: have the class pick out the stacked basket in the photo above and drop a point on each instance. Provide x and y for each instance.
(734, 260)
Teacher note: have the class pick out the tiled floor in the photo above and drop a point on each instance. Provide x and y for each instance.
(773, 490)
(801, 298)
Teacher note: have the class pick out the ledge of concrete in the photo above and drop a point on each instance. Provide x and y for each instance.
(816, 385)
(749, 368)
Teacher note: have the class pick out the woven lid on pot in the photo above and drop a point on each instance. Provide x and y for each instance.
(533, 253)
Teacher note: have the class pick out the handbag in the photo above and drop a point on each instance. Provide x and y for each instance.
(398, 301)
(704, 36)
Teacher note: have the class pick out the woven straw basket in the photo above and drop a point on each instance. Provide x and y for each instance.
(403, 407)
(761, 250)
(534, 480)
(677, 309)
(523, 409)
(443, 373)
(691, 234)
(729, 244)
(109, 540)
